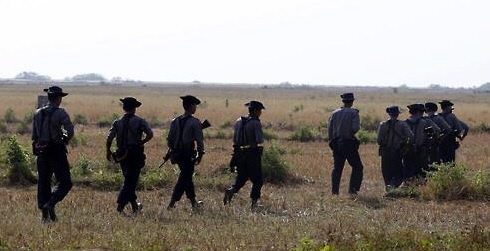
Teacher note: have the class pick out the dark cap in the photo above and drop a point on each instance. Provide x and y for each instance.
(347, 96)
(416, 107)
(55, 91)
(190, 99)
(255, 105)
(392, 110)
(130, 102)
(445, 103)
(431, 107)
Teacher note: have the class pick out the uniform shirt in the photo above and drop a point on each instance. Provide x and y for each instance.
(253, 134)
(343, 124)
(393, 132)
(440, 122)
(455, 123)
(59, 119)
(417, 125)
(136, 127)
(192, 132)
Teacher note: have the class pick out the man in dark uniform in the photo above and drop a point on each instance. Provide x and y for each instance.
(459, 130)
(247, 144)
(49, 145)
(185, 132)
(393, 134)
(128, 132)
(431, 109)
(416, 162)
(342, 127)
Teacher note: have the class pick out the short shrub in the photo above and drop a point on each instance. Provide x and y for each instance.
(303, 134)
(307, 244)
(447, 182)
(370, 123)
(226, 124)
(9, 116)
(274, 168)
(269, 135)
(481, 185)
(79, 119)
(104, 123)
(84, 166)
(18, 161)
(29, 117)
(221, 135)
(3, 128)
(155, 122)
(23, 128)
(366, 136)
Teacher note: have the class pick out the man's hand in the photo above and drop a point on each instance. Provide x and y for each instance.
(199, 157)
(109, 155)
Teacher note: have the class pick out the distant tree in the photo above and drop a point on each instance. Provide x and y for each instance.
(117, 79)
(88, 77)
(30, 75)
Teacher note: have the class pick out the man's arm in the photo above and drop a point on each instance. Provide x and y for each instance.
(407, 132)
(110, 138)
(171, 134)
(330, 128)
(356, 122)
(67, 125)
(380, 136)
(148, 132)
(35, 136)
(259, 134)
(198, 135)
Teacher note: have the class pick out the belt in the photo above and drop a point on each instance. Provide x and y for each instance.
(250, 146)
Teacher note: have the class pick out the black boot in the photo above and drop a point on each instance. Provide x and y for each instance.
(45, 215)
(120, 207)
(196, 204)
(171, 205)
(136, 206)
(228, 196)
(49, 208)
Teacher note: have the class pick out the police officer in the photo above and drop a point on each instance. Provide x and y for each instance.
(459, 130)
(128, 132)
(393, 134)
(430, 110)
(342, 127)
(49, 144)
(416, 162)
(247, 143)
(185, 132)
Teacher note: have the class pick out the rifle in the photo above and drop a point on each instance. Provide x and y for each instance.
(204, 125)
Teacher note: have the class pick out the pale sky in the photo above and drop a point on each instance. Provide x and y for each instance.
(342, 42)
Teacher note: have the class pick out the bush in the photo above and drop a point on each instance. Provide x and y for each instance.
(481, 184)
(307, 244)
(226, 124)
(366, 136)
(154, 122)
(23, 128)
(9, 116)
(274, 169)
(80, 119)
(104, 123)
(369, 123)
(269, 135)
(84, 166)
(18, 161)
(447, 182)
(3, 128)
(29, 117)
(303, 134)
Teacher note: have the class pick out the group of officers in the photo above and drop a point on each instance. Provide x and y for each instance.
(407, 148)
(52, 130)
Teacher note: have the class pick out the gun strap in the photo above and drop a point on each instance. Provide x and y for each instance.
(182, 122)
(392, 132)
(45, 113)
(126, 120)
(243, 135)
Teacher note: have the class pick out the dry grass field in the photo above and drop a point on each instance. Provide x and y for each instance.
(299, 215)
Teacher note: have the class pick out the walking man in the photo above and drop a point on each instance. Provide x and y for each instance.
(342, 127)
(185, 133)
(247, 144)
(430, 110)
(49, 145)
(459, 130)
(393, 135)
(130, 153)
